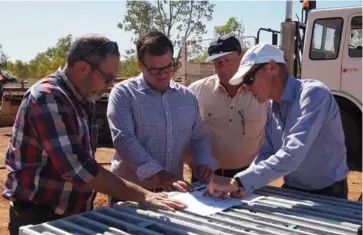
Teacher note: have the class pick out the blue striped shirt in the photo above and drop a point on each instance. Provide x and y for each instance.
(304, 140)
(152, 131)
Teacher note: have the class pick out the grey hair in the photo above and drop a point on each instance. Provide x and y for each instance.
(84, 48)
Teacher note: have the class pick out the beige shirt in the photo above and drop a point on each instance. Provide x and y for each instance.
(236, 125)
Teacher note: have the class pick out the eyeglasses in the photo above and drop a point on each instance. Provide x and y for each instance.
(107, 77)
(155, 71)
(249, 79)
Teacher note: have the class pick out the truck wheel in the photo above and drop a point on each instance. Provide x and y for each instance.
(353, 140)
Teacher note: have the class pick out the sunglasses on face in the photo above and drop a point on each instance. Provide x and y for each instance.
(108, 78)
(250, 78)
(155, 71)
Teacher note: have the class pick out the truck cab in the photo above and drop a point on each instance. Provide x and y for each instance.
(332, 53)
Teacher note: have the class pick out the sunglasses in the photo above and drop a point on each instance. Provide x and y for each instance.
(155, 71)
(108, 78)
(250, 78)
(109, 47)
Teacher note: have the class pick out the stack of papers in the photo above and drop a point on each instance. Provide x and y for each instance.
(207, 205)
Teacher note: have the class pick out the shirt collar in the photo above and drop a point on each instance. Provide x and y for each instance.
(144, 86)
(63, 75)
(289, 92)
(217, 86)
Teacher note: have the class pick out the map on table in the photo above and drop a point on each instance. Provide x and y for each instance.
(207, 205)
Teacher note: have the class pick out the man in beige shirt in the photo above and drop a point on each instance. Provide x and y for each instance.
(233, 117)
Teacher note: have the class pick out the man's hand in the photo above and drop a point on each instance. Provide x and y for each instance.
(180, 185)
(163, 178)
(161, 201)
(219, 184)
(203, 173)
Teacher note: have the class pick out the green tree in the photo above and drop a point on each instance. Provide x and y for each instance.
(47, 62)
(129, 68)
(44, 63)
(4, 59)
(176, 19)
(233, 26)
(19, 69)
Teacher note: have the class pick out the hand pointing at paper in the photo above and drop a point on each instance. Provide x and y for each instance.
(224, 185)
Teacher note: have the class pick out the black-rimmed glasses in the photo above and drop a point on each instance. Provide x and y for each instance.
(155, 71)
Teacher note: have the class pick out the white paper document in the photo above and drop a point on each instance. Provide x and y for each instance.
(207, 205)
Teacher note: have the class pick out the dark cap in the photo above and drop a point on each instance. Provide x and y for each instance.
(223, 45)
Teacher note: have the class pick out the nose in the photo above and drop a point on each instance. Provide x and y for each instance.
(220, 62)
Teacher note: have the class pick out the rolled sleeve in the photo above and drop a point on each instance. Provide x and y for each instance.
(148, 169)
(127, 145)
(295, 145)
(54, 119)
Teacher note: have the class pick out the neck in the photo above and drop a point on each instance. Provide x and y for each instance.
(231, 90)
(75, 81)
(278, 89)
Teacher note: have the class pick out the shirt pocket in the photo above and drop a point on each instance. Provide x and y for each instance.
(254, 124)
(212, 117)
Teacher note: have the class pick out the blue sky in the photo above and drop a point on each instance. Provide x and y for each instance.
(29, 27)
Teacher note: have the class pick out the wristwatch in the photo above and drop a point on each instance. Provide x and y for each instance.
(240, 185)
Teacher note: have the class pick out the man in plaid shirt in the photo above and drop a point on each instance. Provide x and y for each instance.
(52, 170)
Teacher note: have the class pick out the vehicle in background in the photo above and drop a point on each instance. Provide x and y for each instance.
(326, 45)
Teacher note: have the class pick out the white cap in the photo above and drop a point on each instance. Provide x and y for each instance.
(258, 54)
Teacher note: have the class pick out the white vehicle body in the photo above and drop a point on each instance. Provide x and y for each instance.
(332, 53)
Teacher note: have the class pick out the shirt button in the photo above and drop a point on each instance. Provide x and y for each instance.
(230, 120)
(231, 107)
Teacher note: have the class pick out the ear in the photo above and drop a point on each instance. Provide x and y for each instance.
(81, 66)
(273, 65)
(139, 64)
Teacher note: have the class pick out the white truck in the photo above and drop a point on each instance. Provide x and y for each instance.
(326, 44)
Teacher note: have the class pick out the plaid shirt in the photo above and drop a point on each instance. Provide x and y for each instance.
(51, 152)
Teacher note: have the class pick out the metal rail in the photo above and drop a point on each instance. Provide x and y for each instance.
(277, 211)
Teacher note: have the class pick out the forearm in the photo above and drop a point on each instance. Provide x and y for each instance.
(107, 183)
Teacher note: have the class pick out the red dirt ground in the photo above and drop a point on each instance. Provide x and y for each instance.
(105, 155)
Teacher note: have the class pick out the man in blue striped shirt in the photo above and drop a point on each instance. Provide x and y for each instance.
(154, 121)
(304, 138)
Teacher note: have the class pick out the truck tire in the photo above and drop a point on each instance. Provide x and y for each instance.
(353, 140)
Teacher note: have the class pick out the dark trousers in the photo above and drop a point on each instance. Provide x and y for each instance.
(25, 213)
(338, 189)
(224, 172)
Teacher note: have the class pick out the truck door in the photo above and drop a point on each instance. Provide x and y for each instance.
(351, 76)
(322, 57)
